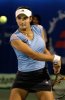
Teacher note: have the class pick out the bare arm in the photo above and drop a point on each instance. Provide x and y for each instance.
(23, 47)
(56, 67)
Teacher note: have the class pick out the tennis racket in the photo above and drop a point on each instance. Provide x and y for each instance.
(58, 85)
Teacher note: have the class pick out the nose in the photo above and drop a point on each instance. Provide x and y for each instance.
(22, 21)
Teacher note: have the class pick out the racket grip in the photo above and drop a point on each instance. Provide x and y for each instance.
(56, 59)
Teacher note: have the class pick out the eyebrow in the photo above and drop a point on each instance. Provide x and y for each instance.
(20, 17)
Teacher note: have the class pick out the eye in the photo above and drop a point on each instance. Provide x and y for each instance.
(23, 18)
(19, 17)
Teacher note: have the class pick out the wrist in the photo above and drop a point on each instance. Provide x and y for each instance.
(56, 58)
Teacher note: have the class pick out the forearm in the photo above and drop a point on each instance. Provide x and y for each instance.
(47, 51)
(24, 48)
(41, 56)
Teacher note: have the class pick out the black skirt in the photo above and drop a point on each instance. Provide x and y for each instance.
(33, 81)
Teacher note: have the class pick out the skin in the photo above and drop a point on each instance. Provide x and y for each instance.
(24, 27)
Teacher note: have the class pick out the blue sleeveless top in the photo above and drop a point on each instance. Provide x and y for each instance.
(25, 63)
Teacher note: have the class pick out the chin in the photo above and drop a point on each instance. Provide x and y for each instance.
(23, 28)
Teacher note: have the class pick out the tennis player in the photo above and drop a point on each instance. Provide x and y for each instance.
(29, 46)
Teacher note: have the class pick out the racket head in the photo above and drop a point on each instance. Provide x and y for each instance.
(58, 85)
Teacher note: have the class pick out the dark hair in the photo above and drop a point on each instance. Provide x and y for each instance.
(37, 16)
(23, 7)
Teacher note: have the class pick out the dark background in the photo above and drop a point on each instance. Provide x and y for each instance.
(47, 9)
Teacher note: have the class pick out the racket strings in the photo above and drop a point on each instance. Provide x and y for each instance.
(59, 86)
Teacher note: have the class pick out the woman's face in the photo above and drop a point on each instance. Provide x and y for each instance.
(23, 22)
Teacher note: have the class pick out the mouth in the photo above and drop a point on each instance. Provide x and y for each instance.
(22, 25)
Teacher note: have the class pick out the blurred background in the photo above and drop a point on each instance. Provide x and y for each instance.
(52, 14)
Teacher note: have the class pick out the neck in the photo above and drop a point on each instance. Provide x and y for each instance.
(25, 31)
